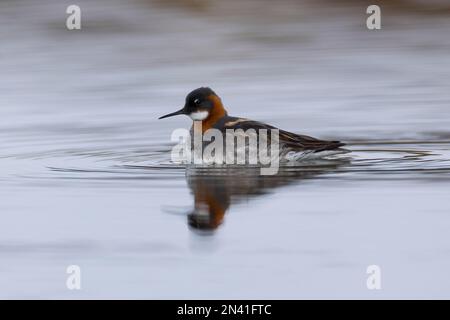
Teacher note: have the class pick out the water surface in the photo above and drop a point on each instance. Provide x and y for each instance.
(86, 176)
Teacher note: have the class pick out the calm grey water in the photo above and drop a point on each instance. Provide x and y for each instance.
(85, 168)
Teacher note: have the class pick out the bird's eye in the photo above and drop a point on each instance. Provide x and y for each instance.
(197, 101)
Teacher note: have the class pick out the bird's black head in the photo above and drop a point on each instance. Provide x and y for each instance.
(199, 104)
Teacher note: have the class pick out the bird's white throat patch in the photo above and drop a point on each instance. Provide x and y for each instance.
(199, 115)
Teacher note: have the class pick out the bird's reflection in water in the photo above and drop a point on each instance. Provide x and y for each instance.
(216, 189)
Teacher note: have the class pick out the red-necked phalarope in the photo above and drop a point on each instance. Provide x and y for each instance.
(204, 105)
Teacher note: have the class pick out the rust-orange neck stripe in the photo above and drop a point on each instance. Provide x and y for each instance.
(216, 113)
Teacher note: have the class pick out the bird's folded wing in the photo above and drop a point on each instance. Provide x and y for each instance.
(289, 139)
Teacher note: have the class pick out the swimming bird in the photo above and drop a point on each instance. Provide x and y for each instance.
(204, 105)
